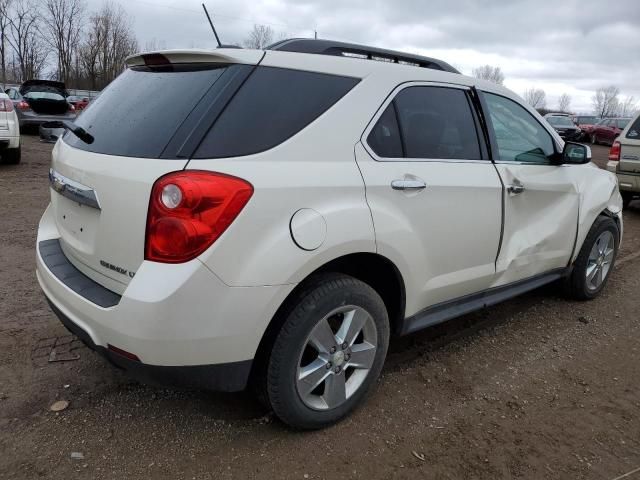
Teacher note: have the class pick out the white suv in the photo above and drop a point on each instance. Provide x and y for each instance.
(233, 217)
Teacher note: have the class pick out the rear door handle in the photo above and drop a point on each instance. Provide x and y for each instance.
(406, 184)
(515, 189)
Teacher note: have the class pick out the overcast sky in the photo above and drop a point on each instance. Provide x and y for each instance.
(563, 46)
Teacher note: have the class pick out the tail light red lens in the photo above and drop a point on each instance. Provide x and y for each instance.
(189, 210)
(24, 106)
(6, 105)
(614, 153)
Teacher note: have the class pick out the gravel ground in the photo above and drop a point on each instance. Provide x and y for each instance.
(537, 387)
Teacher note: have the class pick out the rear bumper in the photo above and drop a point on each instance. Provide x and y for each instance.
(184, 324)
(35, 119)
(627, 181)
(224, 377)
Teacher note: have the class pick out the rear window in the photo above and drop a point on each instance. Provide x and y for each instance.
(273, 105)
(43, 96)
(139, 112)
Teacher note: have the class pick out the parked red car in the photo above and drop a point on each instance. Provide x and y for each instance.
(607, 131)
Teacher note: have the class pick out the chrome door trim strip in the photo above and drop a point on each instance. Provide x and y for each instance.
(73, 190)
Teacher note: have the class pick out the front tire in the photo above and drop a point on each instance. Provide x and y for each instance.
(595, 261)
(328, 353)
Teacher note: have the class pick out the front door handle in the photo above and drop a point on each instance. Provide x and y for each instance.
(515, 189)
(406, 184)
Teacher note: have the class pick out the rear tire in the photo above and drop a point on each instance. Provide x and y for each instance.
(12, 156)
(596, 260)
(328, 353)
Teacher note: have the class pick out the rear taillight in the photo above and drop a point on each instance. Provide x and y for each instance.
(6, 105)
(614, 153)
(189, 210)
(24, 106)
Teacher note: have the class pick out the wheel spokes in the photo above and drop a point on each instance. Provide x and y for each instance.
(322, 337)
(312, 375)
(362, 356)
(351, 326)
(592, 270)
(335, 390)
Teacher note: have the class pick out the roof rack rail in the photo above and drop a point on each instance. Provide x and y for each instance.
(342, 49)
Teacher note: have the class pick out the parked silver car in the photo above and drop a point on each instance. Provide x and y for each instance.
(39, 101)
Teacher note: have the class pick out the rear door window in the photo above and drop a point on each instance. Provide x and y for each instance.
(273, 105)
(437, 123)
(139, 112)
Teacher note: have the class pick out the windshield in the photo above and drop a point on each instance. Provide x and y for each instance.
(560, 121)
(586, 120)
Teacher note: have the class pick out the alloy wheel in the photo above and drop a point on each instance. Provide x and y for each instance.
(600, 260)
(336, 357)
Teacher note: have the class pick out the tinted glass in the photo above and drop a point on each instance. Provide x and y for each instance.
(586, 120)
(137, 114)
(272, 105)
(437, 122)
(384, 138)
(634, 131)
(43, 96)
(520, 137)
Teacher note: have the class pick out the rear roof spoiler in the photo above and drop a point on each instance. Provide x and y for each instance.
(219, 55)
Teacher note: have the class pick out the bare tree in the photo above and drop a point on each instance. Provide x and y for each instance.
(5, 6)
(63, 20)
(628, 106)
(154, 45)
(605, 101)
(259, 37)
(536, 97)
(487, 72)
(564, 102)
(109, 41)
(25, 40)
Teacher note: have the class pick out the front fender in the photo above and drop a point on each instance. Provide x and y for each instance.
(598, 194)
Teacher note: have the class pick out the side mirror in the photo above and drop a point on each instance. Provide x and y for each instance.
(575, 153)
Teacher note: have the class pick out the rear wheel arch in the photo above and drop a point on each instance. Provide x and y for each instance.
(375, 270)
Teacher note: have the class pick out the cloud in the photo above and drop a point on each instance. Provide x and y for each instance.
(571, 46)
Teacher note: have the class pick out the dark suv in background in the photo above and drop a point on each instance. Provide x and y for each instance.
(39, 101)
(565, 127)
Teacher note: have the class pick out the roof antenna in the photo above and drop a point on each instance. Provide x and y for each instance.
(211, 23)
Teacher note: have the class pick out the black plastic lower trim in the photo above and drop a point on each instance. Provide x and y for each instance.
(56, 261)
(444, 311)
(223, 377)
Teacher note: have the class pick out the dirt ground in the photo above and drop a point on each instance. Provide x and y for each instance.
(538, 387)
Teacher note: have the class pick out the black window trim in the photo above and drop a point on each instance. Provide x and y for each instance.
(554, 160)
(484, 148)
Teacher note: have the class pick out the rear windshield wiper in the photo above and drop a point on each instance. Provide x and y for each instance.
(77, 130)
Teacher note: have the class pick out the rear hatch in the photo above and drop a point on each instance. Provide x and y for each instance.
(630, 148)
(45, 97)
(145, 124)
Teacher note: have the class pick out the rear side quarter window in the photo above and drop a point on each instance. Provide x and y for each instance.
(634, 130)
(273, 105)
